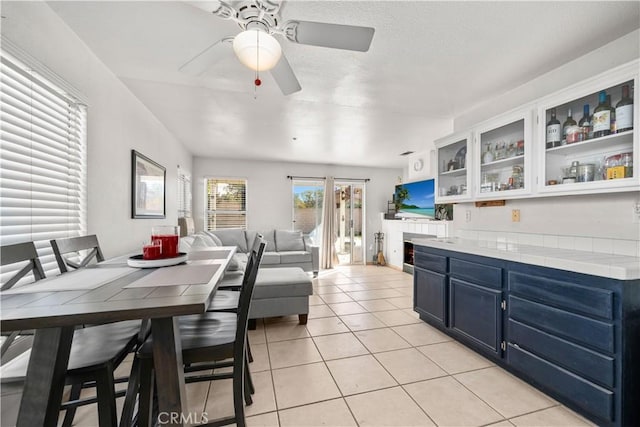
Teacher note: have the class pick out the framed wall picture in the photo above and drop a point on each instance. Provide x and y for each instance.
(148, 183)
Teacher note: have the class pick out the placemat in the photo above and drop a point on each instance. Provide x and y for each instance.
(185, 274)
(79, 280)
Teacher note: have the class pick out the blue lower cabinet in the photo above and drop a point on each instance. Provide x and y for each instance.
(476, 314)
(430, 295)
(589, 397)
(574, 336)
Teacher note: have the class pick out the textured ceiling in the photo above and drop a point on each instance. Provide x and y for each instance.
(428, 63)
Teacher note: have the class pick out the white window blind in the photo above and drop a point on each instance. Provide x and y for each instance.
(184, 194)
(43, 161)
(226, 203)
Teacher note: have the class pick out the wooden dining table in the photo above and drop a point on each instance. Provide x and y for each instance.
(104, 293)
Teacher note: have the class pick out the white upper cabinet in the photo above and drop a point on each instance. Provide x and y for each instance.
(511, 157)
(599, 155)
(503, 156)
(453, 179)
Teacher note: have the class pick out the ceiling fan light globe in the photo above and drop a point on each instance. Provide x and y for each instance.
(246, 45)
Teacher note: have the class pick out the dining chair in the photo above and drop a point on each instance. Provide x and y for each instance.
(62, 247)
(26, 253)
(96, 351)
(205, 339)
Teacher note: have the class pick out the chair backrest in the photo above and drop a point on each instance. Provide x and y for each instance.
(21, 252)
(246, 292)
(75, 244)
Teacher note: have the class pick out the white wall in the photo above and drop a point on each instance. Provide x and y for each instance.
(601, 215)
(117, 123)
(269, 192)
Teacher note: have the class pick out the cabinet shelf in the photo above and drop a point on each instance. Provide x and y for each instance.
(509, 161)
(624, 137)
(455, 172)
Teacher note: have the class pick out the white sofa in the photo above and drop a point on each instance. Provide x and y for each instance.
(285, 248)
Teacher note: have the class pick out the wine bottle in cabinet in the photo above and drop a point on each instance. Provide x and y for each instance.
(624, 111)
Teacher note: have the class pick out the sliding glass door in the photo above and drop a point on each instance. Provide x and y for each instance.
(349, 215)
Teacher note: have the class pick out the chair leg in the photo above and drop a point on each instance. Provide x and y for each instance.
(145, 399)
(238, 391)
(69, 413)
(249, 381)
(106, 392)
(127, 418)
(249, 351)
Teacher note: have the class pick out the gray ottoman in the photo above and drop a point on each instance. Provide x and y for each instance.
(281, 291)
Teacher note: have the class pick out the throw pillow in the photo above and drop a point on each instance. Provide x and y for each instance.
(287, 240)
(215, 238)
(207, 239)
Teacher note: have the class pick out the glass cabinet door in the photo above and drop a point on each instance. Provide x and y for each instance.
(503, 155)
(595, 151)
(453, 168)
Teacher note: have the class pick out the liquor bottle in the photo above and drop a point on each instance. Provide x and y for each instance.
(554, 131)
(585, 123)
(624, 111)
(601, 117)
(569, 129)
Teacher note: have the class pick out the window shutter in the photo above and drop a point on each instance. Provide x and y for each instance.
(43, 161)
(226, 203)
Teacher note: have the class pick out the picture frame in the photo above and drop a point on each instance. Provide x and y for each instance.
(148, 187)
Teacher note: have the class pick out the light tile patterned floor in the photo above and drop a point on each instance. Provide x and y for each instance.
(365, 359)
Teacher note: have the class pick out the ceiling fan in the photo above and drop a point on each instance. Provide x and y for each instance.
(256, 47)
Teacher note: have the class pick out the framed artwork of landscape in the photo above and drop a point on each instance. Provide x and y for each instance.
(148, 182)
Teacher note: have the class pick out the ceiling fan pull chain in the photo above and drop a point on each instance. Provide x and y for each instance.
(257, 82)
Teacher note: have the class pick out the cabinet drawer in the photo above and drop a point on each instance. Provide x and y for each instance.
(476, 314)
(580, 299)
(588, 396)
(589, 364)
(477, 273)
(593, 333)
(430, 262)
(430, 294)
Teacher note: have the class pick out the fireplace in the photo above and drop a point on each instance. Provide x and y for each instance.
(408, 251)
(407, 256)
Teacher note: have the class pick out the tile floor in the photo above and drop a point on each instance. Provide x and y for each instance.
(365, 359)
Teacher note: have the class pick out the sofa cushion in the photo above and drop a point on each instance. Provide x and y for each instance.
(233, 237)
(215, 238)
(287, 240)
(199, 242)
(270, 237)
(207, 239)
(290, 257)
(270, 258)
(282, 282)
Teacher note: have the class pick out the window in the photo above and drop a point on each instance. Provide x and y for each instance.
(307, 207)
(184, 194)
(43, 162)
(226, 203)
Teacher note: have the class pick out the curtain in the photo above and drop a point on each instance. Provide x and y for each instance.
(327, 251)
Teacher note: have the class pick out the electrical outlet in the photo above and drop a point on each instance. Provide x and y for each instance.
(468, 215)
(515, 215)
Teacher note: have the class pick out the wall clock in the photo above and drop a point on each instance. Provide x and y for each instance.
(418, 165)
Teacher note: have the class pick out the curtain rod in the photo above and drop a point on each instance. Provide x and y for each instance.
(322, 178)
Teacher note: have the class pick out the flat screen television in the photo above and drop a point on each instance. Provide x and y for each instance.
(416, 199)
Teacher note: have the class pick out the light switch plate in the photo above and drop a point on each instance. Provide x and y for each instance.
(515, 215)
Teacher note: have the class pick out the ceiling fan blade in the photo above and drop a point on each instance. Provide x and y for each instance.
(284, 77)
(207, 6)
(205, 59)
(336, 36)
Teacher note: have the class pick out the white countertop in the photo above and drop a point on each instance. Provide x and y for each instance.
(620, 267)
